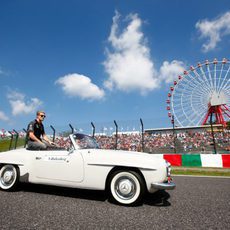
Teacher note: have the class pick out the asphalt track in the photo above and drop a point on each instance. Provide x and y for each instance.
(197, 203)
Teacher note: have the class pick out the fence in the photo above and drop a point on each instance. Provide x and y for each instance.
(189, 140)
(132, 135)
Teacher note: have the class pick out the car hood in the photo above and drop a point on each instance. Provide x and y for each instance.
(124, 158)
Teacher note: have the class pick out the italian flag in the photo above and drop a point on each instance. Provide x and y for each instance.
(199, 160)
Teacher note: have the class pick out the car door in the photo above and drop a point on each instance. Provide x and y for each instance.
(59, 166)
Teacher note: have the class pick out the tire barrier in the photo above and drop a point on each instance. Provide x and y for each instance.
(198, 160)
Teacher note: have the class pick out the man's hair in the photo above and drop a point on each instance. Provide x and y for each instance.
(40, 111)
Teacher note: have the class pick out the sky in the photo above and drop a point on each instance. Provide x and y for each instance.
(103, 60)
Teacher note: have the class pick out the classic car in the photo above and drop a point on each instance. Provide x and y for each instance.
(126, 175)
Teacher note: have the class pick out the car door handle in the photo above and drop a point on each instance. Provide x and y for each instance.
(38, 158)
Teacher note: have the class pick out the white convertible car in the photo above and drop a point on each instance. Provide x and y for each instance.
(125, 175)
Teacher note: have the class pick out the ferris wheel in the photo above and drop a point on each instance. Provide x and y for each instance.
(199, 93)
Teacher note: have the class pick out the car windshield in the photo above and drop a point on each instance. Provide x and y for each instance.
(85, 142)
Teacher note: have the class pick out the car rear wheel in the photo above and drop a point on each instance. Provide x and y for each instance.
(126, 187)
(9, 177)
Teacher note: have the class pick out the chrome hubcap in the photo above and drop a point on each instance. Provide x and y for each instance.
(125, 188)
(8, 176)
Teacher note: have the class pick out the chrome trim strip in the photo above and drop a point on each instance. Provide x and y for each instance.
(121, 165)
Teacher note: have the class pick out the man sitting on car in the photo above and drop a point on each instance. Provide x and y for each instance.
(37, 139)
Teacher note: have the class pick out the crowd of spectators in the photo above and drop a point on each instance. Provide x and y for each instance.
(125, 142)
(203, 141)
(166, 142)
(159, 142)
(6, 134)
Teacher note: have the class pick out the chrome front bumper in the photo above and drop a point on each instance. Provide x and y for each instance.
(164, 186)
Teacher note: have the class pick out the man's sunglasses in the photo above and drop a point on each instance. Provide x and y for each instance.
(43, 116)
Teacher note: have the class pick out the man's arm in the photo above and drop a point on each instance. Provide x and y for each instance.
(47, 139)
(33, 137)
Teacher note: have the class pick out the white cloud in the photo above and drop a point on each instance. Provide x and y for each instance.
(20, 106)
(170, 71)
(129, 65)
(77, 85)
(214, 30)
(3, 116)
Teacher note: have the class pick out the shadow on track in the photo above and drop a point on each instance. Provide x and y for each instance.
(159, 198)
(63, 191)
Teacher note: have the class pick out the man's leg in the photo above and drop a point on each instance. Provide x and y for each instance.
(51, 147)
(33, 145)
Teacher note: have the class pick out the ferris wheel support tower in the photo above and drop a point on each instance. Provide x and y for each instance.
(218, 107)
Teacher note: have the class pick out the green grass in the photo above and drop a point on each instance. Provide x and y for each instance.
(201, 171)
(5, 144)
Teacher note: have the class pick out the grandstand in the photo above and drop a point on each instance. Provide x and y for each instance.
(185, 142)
(180, 140)
(197, 139)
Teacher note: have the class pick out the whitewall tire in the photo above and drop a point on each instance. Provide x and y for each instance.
(126, 187)
(9, 177)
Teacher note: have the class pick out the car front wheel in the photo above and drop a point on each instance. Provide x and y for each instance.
(9, 177)
(126, 187)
